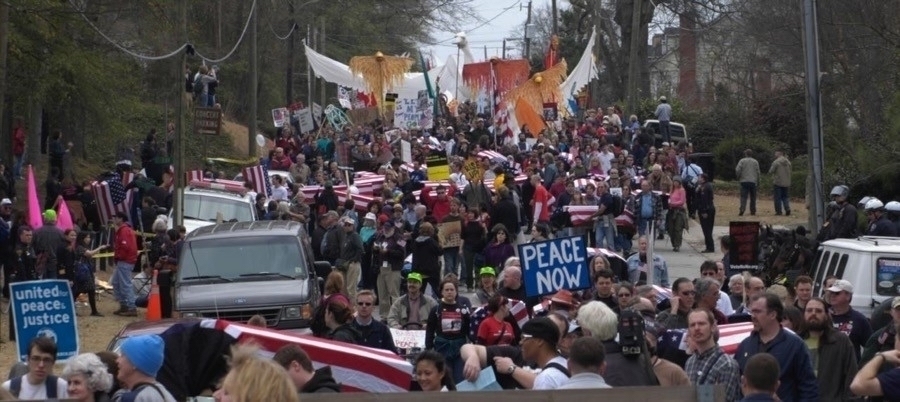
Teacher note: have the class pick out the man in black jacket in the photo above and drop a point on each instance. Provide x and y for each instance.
(300, 369)
(505, 212)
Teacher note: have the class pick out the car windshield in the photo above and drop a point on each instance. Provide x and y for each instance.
(206, 208)
(243, 258)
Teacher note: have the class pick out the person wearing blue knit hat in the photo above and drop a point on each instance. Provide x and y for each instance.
(140, 358)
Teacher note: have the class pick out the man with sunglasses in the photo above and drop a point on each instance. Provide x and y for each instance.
(374, 333)
(682, 303)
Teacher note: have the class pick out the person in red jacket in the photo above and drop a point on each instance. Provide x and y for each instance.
(125, 253)
(439, 205)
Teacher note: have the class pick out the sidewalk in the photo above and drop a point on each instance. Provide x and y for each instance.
(686, 262)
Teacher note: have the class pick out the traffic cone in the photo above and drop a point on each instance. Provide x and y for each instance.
(154, 307)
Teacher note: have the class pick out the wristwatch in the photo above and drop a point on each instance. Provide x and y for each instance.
(511, 369)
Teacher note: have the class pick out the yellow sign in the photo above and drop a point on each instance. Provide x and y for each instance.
(438, 167)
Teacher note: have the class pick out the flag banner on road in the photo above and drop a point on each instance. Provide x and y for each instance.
(44, 308)
(356, 368)
(552, 265)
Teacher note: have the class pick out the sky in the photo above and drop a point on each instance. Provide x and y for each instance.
(499, 17)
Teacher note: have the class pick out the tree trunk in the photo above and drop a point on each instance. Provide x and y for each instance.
(5, 134)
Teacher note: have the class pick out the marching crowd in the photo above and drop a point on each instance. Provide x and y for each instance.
(621, 332)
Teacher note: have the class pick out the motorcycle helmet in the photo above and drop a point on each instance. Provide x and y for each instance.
(840, 191)
(874, 204)
(892, 206)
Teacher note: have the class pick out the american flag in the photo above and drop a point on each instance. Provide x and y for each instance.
(501, 114)
(193, 175)
(259, 176)
(111, 196)
(356, 368)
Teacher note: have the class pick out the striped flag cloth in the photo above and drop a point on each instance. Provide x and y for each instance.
(111, 196)
(193, 175)
(500, 112)
(258, 176)
(356, 368)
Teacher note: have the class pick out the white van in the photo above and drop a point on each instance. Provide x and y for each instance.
(870, 263)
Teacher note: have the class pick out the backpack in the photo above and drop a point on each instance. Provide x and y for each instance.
(198, 86)
(631, 332)
(83, 273)
(618, 206)
(15, 386)
(558, 367)
(132, 395)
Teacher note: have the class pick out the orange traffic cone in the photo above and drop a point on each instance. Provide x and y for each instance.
(154, 307)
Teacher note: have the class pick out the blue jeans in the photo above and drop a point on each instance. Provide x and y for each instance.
(782, 199)
(17, 165)
(664, 131)
(451, 261)
(124, 289)
(623, 243)
(749, 188)
(605, 231)
(643, 225)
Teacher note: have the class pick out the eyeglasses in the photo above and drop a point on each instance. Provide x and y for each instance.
(38, 359)
(366, 304)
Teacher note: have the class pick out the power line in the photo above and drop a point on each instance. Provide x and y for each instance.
(241, 39)
(122, 48)
(293, 28)
(176, 51)
(504, 11)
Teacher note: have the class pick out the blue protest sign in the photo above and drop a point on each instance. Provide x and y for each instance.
(45, 308)
(551, 265)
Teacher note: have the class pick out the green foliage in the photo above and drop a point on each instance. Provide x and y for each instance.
(729, 151)
(782, 117)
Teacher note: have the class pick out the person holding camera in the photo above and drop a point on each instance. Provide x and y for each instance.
(597, 320)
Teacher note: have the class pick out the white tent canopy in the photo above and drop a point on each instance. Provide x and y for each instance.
(448, 75)
(339, 73)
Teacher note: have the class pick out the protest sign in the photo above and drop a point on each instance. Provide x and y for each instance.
(744, 252)
(551, 265)
(316, 111)
(448, 233)
(279, 115)
(44, 308)
(406, 115)
(438, 167)
(407, 339)
(405, 151)
(306, 120)
(344, 95)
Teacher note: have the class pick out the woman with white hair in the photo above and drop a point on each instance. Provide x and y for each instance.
(88, 378)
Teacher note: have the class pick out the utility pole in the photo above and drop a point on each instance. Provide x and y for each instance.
(254, 83)
(527, 54)
(555, 11)
(290, 60)
(315, 45)
(504, 49)
(322, 50)
(814, 188)
(634, 62)
(309, 77)
(181, 110)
